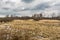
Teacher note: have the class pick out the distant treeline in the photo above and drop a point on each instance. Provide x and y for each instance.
(35, 17)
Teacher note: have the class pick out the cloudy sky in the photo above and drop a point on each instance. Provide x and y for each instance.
(28, 7)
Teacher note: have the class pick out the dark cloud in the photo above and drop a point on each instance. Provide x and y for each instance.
(27, 1)
(41, 6)
(57, 4)
(5, 8)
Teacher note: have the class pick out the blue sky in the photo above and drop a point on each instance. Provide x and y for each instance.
(29, 7)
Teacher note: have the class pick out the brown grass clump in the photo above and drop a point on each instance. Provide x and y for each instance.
(30, 30)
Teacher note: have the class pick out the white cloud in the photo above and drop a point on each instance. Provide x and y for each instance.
(19, 7)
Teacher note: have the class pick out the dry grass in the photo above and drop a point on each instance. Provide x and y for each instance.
(32, 30)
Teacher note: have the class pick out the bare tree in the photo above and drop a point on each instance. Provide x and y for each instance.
(7, 15)
(53, 15)
(37, 17)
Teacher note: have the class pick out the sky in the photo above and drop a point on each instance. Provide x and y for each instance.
(29, 7)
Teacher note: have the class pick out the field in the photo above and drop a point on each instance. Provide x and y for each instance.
(30, 30)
